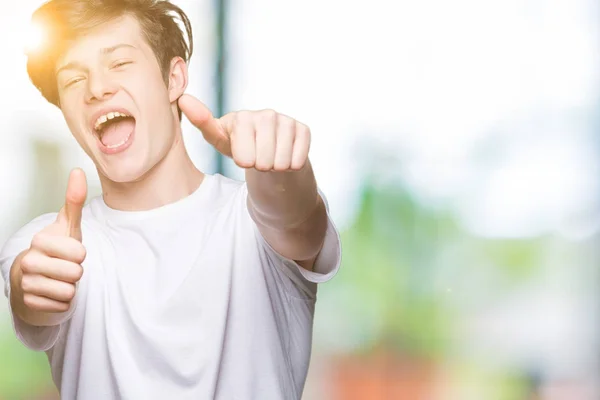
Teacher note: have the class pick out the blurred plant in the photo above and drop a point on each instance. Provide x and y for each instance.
(389, 270)
(23, 373)
(404, 264)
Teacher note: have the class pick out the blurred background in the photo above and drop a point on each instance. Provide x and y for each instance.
(458, 145)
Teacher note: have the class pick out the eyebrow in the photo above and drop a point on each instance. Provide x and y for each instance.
(74, 65)
(111, 49)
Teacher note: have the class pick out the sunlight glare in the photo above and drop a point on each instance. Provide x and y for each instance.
(34, 37)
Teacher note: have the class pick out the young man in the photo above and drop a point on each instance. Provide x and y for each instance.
(173, 283)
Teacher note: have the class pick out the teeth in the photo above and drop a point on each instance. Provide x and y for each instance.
(108, 116)
(113, 146)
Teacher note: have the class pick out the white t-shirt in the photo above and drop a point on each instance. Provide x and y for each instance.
(186, 301)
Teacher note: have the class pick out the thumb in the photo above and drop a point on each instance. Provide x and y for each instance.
(74, 201)
(202, 118)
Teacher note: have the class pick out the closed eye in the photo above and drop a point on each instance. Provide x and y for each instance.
(73, 81)
(121, 64)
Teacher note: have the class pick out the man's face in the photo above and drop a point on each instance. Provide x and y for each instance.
(115, 100)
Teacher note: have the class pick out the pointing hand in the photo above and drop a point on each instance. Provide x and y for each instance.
(264, 140)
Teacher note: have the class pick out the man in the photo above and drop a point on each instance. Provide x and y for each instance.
(173, 283)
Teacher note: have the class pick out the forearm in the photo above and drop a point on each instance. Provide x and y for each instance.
(288, 210)
(282, 200)
(17, 303)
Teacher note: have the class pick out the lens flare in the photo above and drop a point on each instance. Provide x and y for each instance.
(34, 38)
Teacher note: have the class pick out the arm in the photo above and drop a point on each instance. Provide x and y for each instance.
(282, 192)
(289, 212)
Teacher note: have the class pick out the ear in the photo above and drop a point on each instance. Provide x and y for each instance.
(178, 79)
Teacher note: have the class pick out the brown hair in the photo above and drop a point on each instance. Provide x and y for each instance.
(63, 21)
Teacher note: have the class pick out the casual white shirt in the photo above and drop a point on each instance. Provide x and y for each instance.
(185, 301)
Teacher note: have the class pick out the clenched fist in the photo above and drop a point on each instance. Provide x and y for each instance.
(264, 140)
(51, 268)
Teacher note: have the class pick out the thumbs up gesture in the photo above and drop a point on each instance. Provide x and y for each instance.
(51, 267)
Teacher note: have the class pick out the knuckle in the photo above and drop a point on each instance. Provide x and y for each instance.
(29, 301)
(288, 124)
(77, 272)
(303, 130)
(280, 165)
(268, 115)
(68, 292)
(80, 254)
(264, 166)
(27, 283)
(27, 263)
(243, 163)
(37, 240)
(241, 117)
(298, 166)
(234, 124)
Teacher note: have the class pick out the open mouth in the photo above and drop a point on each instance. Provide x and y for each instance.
(114, 128)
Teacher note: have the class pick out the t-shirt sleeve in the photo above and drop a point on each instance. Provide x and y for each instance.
(34, 337)
(326, 265)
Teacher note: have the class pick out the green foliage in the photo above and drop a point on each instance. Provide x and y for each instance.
(22, 372)
(397, 258)
(519, 258)
(389, 261)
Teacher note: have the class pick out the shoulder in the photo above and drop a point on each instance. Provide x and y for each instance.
(21, 240)
(38, 223)
(26, 232)
(226, 194)
(225, 186)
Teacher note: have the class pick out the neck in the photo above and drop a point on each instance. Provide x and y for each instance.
(171, 179)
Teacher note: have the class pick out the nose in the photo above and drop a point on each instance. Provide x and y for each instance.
(99, 88)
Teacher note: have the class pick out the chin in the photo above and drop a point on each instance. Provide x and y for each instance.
(126, 171)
